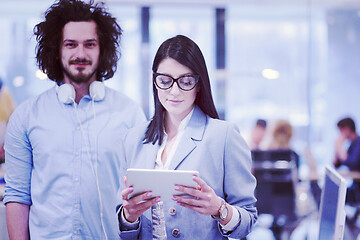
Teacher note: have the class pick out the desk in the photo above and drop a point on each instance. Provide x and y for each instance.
(355, 175)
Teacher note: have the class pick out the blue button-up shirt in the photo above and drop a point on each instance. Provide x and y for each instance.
(55, 153)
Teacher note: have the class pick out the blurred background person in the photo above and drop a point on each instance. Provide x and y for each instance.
(281, 135)
(257, 134)
(349, 157)
(7, 106)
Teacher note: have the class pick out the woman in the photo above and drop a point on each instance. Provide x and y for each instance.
(281, 134)
(185, 134)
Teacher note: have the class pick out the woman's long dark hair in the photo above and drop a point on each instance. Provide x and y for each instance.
(49, 36)
(186, 52)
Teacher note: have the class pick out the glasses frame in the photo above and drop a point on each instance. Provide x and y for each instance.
(175, 80)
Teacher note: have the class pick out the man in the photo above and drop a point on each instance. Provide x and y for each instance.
(257, 134)
(62, 147)
(351, 156)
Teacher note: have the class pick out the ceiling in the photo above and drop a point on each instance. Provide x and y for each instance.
(24, 8)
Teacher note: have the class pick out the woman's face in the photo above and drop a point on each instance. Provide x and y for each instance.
(178, 103)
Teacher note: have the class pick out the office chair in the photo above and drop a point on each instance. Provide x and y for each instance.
(276, 174)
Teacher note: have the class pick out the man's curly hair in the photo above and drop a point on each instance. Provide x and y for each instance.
(49, 36)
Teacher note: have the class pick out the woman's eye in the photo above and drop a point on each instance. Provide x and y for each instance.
(165, 81)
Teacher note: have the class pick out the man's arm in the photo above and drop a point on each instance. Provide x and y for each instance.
(17, 220)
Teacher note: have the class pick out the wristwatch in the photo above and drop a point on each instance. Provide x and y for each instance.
(222, 212)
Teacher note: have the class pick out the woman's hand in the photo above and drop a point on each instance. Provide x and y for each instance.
(133, 208)
(203, 199)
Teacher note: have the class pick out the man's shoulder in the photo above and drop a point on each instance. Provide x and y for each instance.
(357, 141)
(113, 93)
(139, 129)
(31, 101)
(119, 103)
(136, 134)
(34, 104)
(119, 98)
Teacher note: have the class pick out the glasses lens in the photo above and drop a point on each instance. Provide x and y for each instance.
(187, 82)
(163, 82)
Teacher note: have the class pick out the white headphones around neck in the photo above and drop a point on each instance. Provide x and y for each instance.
(66, 92)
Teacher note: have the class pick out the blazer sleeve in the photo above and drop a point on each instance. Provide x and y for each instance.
(124, 233)
(239, 183)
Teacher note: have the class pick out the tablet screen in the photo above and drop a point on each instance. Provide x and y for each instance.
(160, 182)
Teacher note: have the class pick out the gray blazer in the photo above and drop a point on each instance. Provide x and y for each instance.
(216, 149)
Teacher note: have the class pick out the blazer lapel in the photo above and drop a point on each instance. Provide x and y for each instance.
(193, 132)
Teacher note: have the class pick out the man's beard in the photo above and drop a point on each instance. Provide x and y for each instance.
(80, 77)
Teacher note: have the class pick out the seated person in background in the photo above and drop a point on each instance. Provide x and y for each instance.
(257, 134)
(351, 156)
(281, 136)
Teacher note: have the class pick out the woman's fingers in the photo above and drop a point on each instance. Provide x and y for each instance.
(125, 180)
(202, 184)
(203, 191)
(202, 199)
(137, 205)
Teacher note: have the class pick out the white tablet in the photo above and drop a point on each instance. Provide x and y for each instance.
(160, 182)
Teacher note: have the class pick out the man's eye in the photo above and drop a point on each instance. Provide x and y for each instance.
(90, 45)
(70, 45)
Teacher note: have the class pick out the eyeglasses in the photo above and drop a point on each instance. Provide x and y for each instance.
(185, 83)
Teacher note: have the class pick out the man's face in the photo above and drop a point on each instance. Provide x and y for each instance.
(80, 51)
(345, 132)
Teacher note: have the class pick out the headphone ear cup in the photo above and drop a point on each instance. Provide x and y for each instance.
(97, 90)
(66, 93)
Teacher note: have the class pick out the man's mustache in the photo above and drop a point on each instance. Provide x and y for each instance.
(80, 61)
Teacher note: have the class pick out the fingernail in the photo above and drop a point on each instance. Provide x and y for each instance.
(174, 198)
(149, 194)
(194, 177)
(177, 187)
(158, 199)
(131, 189)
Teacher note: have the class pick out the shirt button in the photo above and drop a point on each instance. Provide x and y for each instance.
(78, 128)
(175, 232)
(77, 154)
(75, 232)
(76, 205)
(172, 211)
(76, 179)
